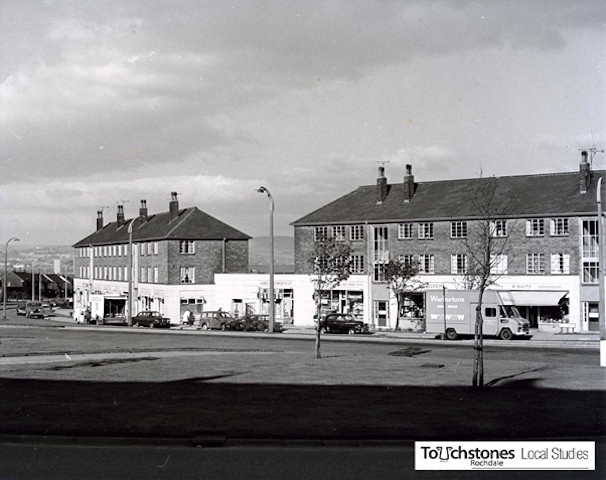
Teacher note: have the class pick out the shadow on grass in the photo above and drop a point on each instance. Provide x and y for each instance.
(194, 407)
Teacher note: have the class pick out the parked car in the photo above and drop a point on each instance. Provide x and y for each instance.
(151, 319)
(342, 323)
(34, 309)
(217, 320)
(21, 309)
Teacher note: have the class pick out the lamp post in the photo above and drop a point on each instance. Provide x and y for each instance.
(6, 274)
(601, 272)
(272, 307)
(130, 270)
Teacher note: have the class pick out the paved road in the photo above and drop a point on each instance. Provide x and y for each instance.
(200, 388)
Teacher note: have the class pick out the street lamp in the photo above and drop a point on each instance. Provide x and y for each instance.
(601, 269)
(130, 270)
(272, 308)
(6, 274)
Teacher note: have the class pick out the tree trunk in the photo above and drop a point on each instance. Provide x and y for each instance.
(478, 352)
(318, 310)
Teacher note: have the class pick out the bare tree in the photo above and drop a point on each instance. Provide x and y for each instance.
(330, 262)
(399, 274)
(487, 248)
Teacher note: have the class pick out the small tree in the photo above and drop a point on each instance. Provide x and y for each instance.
(330, 265)
(399, 274)
(487, 245)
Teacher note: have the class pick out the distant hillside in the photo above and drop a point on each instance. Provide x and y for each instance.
(259, 250)
(43, 256)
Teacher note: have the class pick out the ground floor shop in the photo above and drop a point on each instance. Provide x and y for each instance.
(543, 301)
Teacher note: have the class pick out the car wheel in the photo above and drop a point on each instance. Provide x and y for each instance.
(451, 334)
(136, 324)
(223, 326)
(351, 331)
(506, 334)
(323, 330)
(204, 326)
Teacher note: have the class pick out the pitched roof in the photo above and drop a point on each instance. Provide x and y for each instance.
(190, 224)
(528, 195)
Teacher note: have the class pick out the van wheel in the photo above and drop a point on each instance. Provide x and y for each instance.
(506, 334)
(451, 334)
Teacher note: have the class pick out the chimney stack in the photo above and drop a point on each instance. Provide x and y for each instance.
(173, 206)
(381, 185)
(584, 173)
(120, 216)
(99, 220)
(409, 184)
(143, 209)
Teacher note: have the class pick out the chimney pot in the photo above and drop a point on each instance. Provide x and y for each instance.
(409, 184)
(143, 208)
(173, 206)
(99, 220)
(584, 173)
(120, 216)
(381, 185)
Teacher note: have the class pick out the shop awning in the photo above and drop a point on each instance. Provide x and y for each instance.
(532, 298)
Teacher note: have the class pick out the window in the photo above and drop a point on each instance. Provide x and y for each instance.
(150, 273)
(338, 233)
(535, 227)
(405, 231)
(560, 264)
(426, 264)
(535, 263)
(498, 228)
(381, 244)
(187, 247)
(406, 259)
(590, 272)
(142, 249)
(558, 227)
(379, 272)
(357, 264)
(149, 248)
(498, 264)
(590, 247)
(425, 231)
(155, 248)
(188, 274)
(458, 229)
(143, 275)
(458, 263)
(320, 233)
(356, 233)
(490, 312)
(156, 275)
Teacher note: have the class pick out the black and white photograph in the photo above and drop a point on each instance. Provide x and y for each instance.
(318, 239)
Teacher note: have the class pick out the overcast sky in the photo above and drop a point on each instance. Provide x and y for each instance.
(109, 102)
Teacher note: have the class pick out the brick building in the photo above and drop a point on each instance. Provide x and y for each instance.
(551, 266)
(175, 255)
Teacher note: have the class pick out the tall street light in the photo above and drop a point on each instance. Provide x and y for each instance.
(6, 274)
(601, 272)
(130, 270)
(272, 307)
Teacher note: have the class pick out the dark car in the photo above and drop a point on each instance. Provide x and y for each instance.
(34, 309)
(342, 323)
(21, 309)
(151, 319)
(218, 320)
(257, 323)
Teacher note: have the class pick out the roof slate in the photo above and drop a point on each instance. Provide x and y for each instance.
(528, 195)
(190, 224)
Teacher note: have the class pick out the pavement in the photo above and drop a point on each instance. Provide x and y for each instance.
(261, 396)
